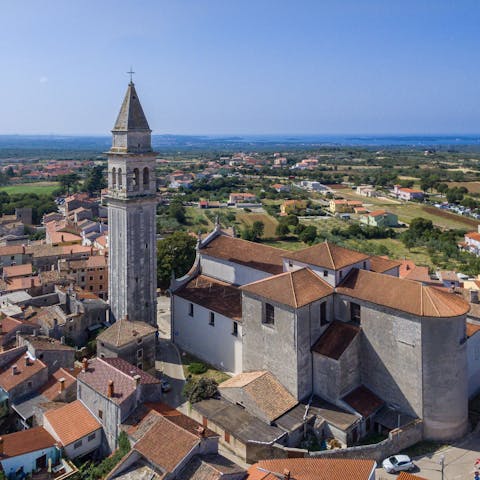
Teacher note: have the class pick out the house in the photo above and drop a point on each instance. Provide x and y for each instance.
(242, 199)
(313, 468)
(27, 451)
(366, 191)
(134, 342)
(344, 206)
(325, 309)
(75, 428)
(171, 446)
(407, 193)
(292, 206)
(112, 389)
(281, 188)
(472, 242)
(380, 218)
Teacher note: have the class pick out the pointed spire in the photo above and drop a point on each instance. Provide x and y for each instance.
(131, 116)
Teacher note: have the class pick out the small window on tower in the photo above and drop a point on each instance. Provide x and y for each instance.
(190, 310)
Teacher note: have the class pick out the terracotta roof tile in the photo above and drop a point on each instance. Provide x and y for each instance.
(125, 331)
(327, 255)
(296, 289)
(409, 476)
(8, 381)
(336, 339)
(166, 444)
(473, 236)
(131, 370)
(363, 401)
(213, 294)
(382, 264)
(313, 469)
(51, 389)
(18, 270)
(265, 391)
(415, 298)
(72, 422)
(26, 441)
(250, 254)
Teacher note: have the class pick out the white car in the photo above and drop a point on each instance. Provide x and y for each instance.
(398, 463)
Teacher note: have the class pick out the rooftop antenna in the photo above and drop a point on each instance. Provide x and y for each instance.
(131, 73)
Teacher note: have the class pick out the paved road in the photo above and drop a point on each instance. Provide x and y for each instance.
(459, 462)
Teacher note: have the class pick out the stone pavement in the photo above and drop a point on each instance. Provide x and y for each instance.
(459, 460)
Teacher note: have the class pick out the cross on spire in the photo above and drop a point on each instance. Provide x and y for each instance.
(131, 72)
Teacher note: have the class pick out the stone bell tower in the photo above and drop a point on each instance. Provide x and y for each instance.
(132, 280)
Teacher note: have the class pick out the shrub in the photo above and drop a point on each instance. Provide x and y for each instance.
(196, 390)
(197, 368)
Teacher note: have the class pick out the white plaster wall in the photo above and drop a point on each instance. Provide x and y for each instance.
(230, 272)
(214, 344)
(473, 361)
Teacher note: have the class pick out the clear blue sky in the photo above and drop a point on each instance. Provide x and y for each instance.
(242, 66)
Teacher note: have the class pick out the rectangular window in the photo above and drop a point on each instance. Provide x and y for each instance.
(190, 309)
(140, 353)
(323, 313)
(354, 312)
(341, 274)
(100, 414)
(91, 437)
(290, 263)
(227, 437)
(91, 279)
(235, 329)
(77, 444)
(325, 273)
(212, 319)
(269, 316)
(101, 277)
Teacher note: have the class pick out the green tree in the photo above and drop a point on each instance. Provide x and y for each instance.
(282, 229)
(68, 181)
(258, 228)
(177, 211)
(308, 235)
(196, 390)
(176, 253)
(96, 179)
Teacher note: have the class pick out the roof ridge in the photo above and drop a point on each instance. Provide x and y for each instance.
(295, 301)
(427, 291)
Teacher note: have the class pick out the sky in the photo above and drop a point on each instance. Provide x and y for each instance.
(242, 66)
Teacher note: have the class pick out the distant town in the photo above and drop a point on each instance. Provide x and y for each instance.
(251, 314)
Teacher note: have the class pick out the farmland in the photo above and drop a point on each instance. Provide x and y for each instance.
(40, 188)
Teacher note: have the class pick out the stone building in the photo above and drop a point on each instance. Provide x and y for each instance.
(325, 323)
(131, 215)
(112, 389)
(134, 342)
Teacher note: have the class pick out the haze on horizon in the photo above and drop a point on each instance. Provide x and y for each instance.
(242, 67)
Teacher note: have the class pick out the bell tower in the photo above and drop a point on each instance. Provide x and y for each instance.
(132, 280)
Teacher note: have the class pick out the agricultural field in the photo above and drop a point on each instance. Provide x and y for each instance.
(247, 219)
(40, 188)
(472, 187)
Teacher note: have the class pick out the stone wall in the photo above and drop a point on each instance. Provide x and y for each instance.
(398, 440)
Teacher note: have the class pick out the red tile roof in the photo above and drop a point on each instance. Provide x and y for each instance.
(214, 295)
(26, 441)
(363, 401)
(296, 289)
(51, 389)
(383, 264)
(327, 255)
(250, 254)
(336, 339)
(415, 298)
(313, 469)
(72, 422)
(8, 380)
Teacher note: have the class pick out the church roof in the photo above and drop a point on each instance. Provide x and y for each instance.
(125, 331)
(296, 289)
(327, 255)
(131, 116)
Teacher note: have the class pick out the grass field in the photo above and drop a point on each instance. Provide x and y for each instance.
(40, 188)
(472, 187)
(269, 222)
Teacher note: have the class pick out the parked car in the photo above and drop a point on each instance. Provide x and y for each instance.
(398, 463)
(166, 387)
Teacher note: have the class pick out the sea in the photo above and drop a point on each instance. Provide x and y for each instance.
(12, 144)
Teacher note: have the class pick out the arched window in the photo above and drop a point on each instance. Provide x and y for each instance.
(120, 179)
(136, 178)
(146, 177)
(114, 177)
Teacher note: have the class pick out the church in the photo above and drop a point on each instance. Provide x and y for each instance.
(328, 322)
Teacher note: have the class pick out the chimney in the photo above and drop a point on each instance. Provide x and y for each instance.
(474, 296)
(110, 389)
(27, 361)
(14, 369)
(201, 431)
(84, 364)
(1, 446)
(23, 249)
(137, 379)
(286, 474)
(62, 384)
(62, 238)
